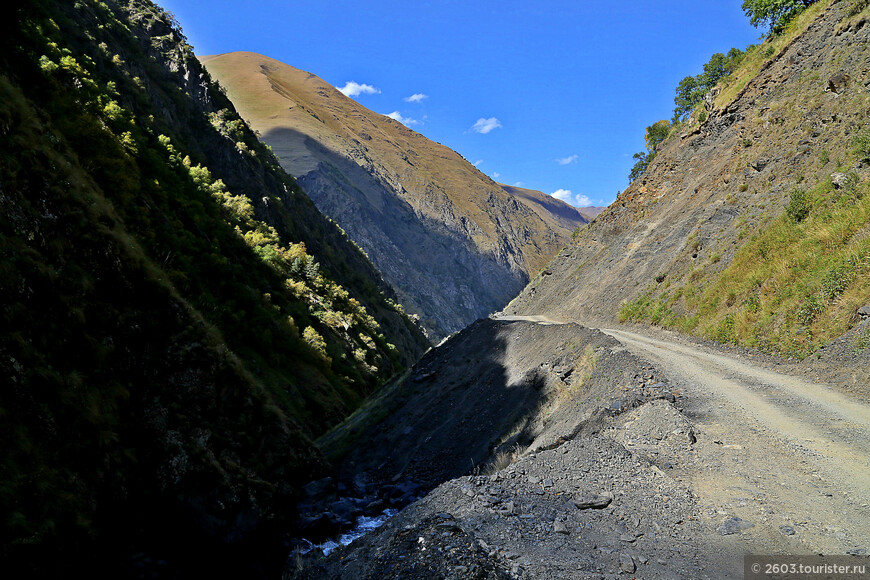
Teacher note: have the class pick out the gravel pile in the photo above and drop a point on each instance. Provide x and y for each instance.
(588, 508)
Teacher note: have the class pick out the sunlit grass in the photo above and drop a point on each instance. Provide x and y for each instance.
(788, 290)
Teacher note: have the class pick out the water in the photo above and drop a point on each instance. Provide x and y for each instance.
(364, 524)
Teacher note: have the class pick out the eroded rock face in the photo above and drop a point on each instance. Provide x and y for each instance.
(717, 179)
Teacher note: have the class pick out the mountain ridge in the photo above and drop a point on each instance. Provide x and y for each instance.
(395, 192)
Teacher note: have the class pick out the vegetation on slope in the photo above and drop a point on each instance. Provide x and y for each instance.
(170, 340)
(803, 269)
(700, 89)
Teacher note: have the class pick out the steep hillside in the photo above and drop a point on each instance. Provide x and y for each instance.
(178, 318)
(548, 207)
(751, 225)
(453, 244)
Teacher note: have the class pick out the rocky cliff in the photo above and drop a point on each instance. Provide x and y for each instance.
(453, 244)
(751, 224)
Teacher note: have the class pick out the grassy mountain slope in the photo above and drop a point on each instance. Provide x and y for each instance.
(548, 207)
(453, 244)
(750, 226)
(178, 318)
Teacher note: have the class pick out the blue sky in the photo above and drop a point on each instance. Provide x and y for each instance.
(551, 95)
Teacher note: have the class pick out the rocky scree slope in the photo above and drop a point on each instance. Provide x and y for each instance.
(453, 244)
(702, 241)
(528, 480)
(488, 394)
(169, 347)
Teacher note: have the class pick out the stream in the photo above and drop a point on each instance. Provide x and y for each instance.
(363, 525)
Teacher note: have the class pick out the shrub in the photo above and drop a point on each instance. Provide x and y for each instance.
(861, 145)
(798, 207)
(810, 309)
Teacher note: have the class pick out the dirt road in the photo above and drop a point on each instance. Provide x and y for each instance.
(790, 456)
(774, 447)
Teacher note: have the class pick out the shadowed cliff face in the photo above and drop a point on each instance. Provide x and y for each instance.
(164, 360)
(457, 284)
(452, 242)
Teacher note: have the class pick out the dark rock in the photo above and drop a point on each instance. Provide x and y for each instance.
(838, 83)
(864, 311)
(560, 528)
(596, 501)
(319, 487)
(760, 164)
(786, 530)
(733, 526)
(626, 563)
(507, 509)
(347, 508)
(319, 527)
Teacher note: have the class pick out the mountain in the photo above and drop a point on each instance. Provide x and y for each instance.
(179, 321)
(750, 226)
(558, 451)
(548, 207)
(453, 244)
(592, 211)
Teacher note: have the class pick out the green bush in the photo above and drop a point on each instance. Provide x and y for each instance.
(861, 145)
(798, 207)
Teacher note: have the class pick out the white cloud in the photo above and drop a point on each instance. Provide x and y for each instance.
(416, 98)
(486, 125)
(566, 195)
(518, 184)
(563, 194)
(496, 174)
(406, 121)
(352, 89)
(477, 163)
(568, 160)
(582, 201)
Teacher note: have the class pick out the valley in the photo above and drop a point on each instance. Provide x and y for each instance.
(241, 311)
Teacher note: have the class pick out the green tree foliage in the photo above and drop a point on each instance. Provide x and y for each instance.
(654, 136)
(773, 14)
(692, 89)
(690, 93)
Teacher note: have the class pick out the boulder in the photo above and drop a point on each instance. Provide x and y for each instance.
(733, 526)
(593, 501)
(838, 83)
(839, 180)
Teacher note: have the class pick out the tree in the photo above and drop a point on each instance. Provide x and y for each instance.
(654, 136)
(773, 14)
(692, 89)
(689, 94)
